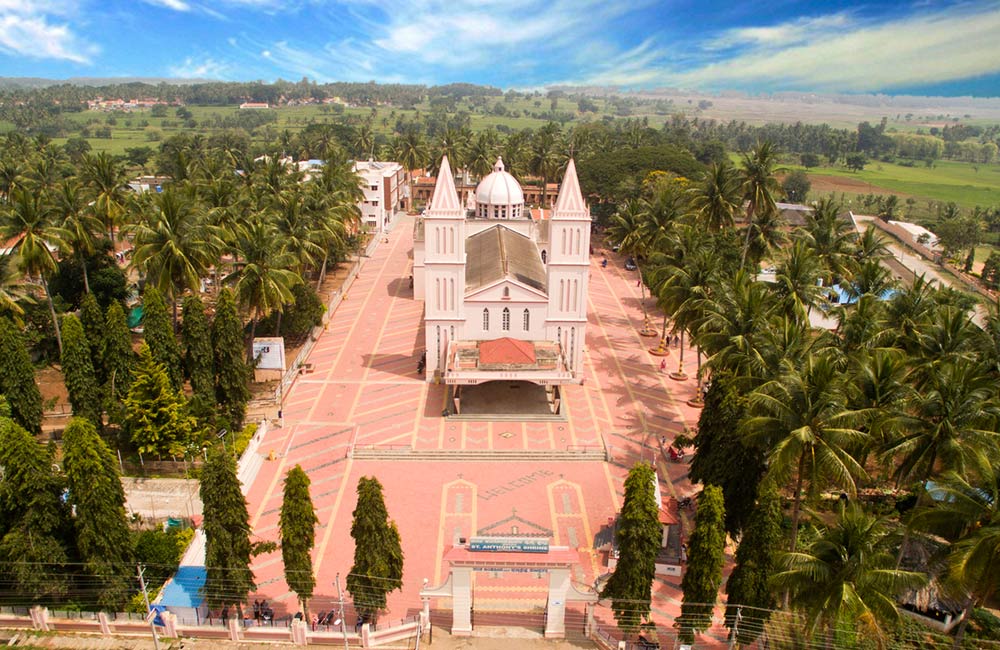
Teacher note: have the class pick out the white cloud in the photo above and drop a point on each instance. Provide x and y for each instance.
(206, 68)
(920, 49)
(176, 5)
(792, 32)
(39, 30)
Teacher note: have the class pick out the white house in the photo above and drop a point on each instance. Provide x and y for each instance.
(386, 190)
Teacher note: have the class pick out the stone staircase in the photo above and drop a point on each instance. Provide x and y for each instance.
(582, 454)
(508, 417)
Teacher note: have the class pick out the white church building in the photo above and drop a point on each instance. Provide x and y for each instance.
(505, 295)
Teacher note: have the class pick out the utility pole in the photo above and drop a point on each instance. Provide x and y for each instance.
(145, 598)
(340, 600)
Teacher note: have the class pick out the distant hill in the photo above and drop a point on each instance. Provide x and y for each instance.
(38, 82)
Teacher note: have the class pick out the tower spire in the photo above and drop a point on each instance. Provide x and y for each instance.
(445, 200)
(569, 203)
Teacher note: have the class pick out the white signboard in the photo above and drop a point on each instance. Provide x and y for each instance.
(269, 353)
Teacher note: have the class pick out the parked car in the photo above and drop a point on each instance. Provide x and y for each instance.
(630, 264)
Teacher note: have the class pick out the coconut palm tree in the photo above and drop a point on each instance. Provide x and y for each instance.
(759, 186)
(545, 156)
(832, 238)
(12, 290)
(797, 281)
(802, 419)
(967, 514)
(29, 221)
(735, 319)
(948, 423)
(175, 247)
(264, 281)
(629, 232)
(79, 226)
(716, 200)
(846, 578)
(105, 179)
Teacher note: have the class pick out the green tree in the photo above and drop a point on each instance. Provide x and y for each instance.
(155, 418)
(92, 319)
(706, 555)
(716, 200)
(750, 597)
(638, 539)
(102, 533)
(796, 186)
(28, 220)
(231, 369)
(378, 554)
(17, 379)
(801, 417)
(967, 514)
(118, 358)
(33, 522)
(297, 526)
(227, 533)
(78, 371)
(722, 456)
(158, 332)
(196, 342)
(846, 578)
(757, 169)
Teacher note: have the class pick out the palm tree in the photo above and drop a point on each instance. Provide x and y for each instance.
(871, 245)
(296, 229)
(948, 424)
(79, 226)
(264, 282)
(335, 195)
(480, 155)
(364, 141)
(732, 333)
(797, 281)
(846, 577)
(545, 159)
(967, 514)
(627, 231)
(802, 419)
(29, 220)
(174, 246)
(12, 290)
(832, 238)
(106, 179)
(757, 169)
(716, 200)
(410, 149)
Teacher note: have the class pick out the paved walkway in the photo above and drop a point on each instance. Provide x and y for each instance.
(365, 390)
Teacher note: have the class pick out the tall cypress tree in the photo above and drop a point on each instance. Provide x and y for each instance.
(17, 379)
(706, 554)
(102, 532)
(196, 342)
(232, 373)
(155, 417)
(378, 554)
(722, 456)
(158, 332)
(92, 320)
(297, 524)
(118, 358)
(78, 372)
(755, 562)
(33, 522)
(638, 538)
(227, 533)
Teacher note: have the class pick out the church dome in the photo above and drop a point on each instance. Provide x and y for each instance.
(499, 195)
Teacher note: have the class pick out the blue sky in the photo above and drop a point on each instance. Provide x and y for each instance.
(923, 47)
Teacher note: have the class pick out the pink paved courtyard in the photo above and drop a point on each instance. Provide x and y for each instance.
(364, 390)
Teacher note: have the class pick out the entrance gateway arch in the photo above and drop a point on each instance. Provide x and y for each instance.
(508, 554)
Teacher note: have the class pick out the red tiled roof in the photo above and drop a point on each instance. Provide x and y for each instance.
(667, 516)
(507, 351)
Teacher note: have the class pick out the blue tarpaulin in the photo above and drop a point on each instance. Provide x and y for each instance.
(185, 588)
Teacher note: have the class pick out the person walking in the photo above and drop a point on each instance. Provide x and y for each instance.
(663, 365)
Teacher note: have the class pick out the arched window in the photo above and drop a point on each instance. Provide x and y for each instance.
(527, 320)
(506, 293)
(486, 320)
(545, 257)
(505, 320)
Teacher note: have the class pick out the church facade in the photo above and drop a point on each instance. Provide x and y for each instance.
(505, 294)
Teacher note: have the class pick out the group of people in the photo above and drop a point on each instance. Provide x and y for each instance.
(262, 613)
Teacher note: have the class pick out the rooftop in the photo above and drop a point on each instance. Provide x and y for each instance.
(498, 253)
